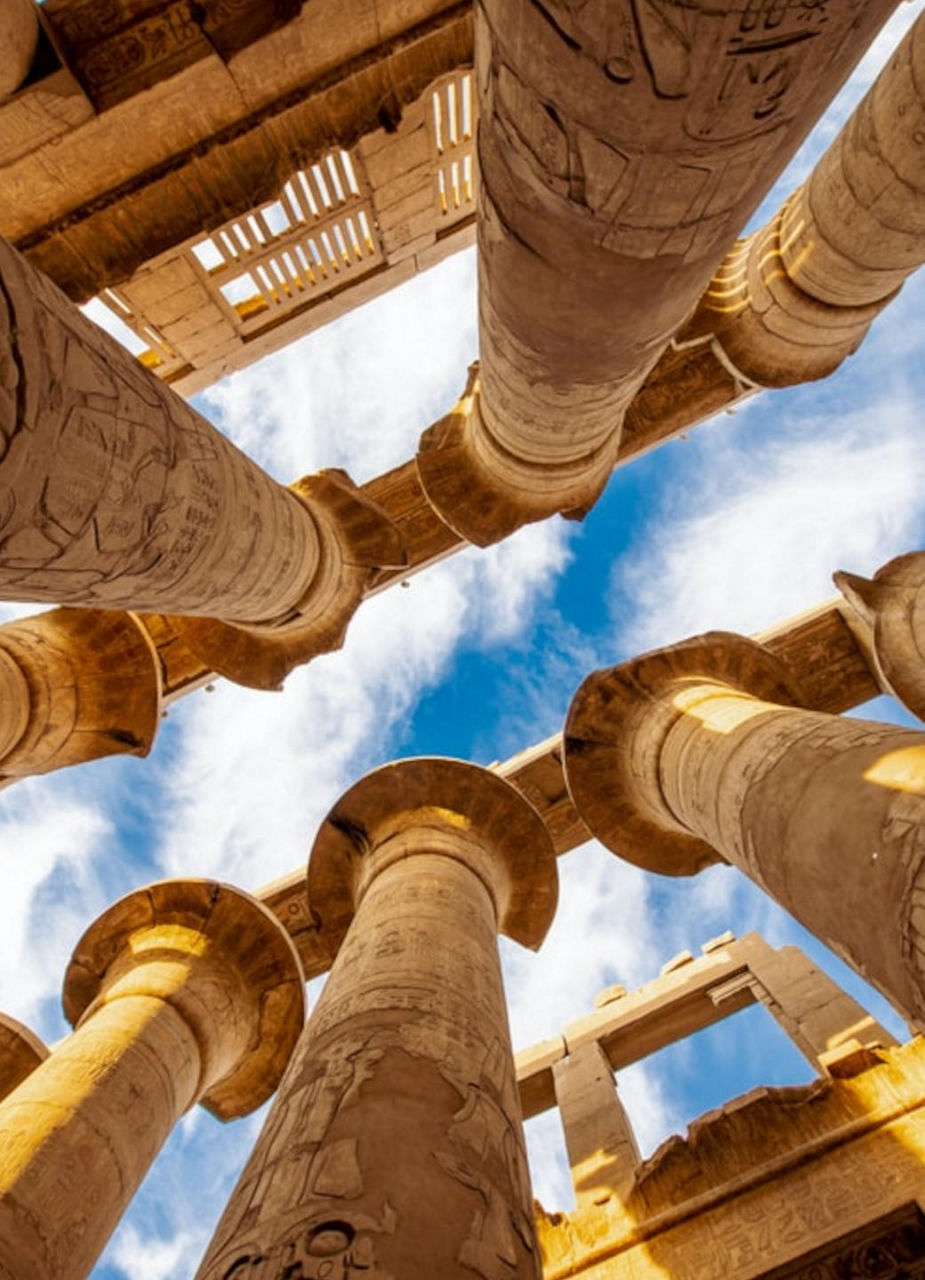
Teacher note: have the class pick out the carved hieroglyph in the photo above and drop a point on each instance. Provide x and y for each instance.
(114, 492)
(790, 302)
(394, 1148)
(187, 991)
(621, 148)
(692, 755)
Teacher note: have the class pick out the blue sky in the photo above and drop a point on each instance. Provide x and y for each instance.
(737, 526)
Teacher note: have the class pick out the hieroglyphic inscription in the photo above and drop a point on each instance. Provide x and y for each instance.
(114, 492)
(813, 1205)
(117, 49)
(405, 1066)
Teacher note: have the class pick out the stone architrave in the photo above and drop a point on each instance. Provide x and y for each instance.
(621, 149)
(892, 607)
(696, 754)
(21, 1051)
(187, 991)
(395, 1147)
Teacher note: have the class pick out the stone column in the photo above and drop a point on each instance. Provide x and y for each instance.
(115, 493)
(891, 608)
(188, 991)
(621, 150)
(75, 685)
(695, 754)
(599, 1138)
(790, 302)
(19, 35)
(394, 1147)
(21, 1051)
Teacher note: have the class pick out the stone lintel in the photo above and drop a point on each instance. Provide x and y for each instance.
(616, 725)
(444, 806)
(655, 1015)
(227, 950)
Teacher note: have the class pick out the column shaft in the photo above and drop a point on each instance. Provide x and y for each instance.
(855, 230)
(826, 814)
(116, 493)
(620, 153)
(793, 300)
(599, 1138)
(71, 1152)
(395, 1141)
(186, 991)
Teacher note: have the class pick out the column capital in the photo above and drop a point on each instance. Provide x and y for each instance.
(892, 603)
(218, 957)
(355, 539)
(21, 1051)
(484, 491)
(462, 810)
(614, 729)
(92, 682)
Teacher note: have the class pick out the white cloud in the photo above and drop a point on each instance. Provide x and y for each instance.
(145, 1256)
(358, 393)
(752, 530)
(49, 839)
(255, 773)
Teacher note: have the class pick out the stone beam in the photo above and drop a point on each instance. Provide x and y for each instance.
(116, 51)
(619, 156)
(395, 1142)
(90, 198)
(832, 1031)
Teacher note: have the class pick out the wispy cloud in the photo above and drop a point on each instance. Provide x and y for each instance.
(146, 1256)
(752, 528)
(254, 773)
(50, 839)
(358, 393)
